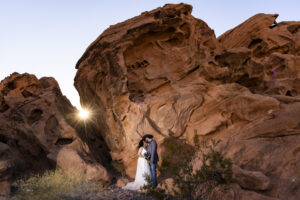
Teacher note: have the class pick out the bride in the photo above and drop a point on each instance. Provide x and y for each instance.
(142, 170)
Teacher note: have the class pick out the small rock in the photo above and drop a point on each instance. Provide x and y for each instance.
(4, 188)
(253, 180)
(121, 182)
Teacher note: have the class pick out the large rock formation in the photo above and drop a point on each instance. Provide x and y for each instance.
(165, 73)
(134, 77)
(37, 132)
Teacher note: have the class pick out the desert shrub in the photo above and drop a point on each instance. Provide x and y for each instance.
(197, 184)
(189, 183)
(158, 193)
(176, 152)
(54, 185)
(119, 167)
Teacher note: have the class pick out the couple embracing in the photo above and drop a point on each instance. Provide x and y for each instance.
(146, 165)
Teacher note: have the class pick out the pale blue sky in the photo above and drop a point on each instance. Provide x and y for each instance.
(47, 37)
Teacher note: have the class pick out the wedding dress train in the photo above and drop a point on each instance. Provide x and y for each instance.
(142, 170)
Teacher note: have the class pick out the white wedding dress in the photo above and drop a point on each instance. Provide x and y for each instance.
(142, 170)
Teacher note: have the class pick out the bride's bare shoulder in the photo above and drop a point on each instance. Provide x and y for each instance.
(140, 149)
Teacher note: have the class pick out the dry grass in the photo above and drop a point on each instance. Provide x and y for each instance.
(54, 185)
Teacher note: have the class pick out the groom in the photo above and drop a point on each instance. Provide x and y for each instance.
(152, 149)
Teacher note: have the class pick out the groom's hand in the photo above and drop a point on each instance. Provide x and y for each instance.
(151, 161)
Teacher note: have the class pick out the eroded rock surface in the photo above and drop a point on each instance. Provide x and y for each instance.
(165, 73)
(36, 127)
(272, 63)
(134, 77)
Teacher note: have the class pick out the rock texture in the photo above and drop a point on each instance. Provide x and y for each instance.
(235, 192)
(250, 179)
(36, 132)
(272, 63)
(165, 73)
(133, 77)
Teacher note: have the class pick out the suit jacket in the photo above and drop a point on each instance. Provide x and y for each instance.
(152, 149)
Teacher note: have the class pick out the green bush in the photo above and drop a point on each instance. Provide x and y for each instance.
(53, 185)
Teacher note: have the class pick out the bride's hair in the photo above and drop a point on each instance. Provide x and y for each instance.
(141, 143)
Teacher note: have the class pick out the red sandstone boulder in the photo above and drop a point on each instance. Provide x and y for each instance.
(165, 73)
(264, 36)
(269, 62)
(133, 77)
(36, 125)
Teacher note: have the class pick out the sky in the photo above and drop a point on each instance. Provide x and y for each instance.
(47, 37)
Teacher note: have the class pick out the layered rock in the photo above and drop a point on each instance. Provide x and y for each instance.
(264, 36)
(165, 73)
(37, 128)
(268, 52)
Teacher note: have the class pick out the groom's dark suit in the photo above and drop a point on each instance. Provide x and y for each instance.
(152, 149)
